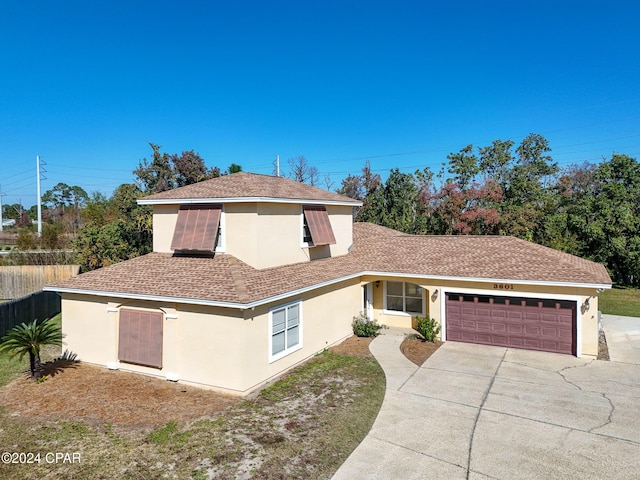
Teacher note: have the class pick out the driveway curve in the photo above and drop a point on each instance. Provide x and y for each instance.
(482, 412)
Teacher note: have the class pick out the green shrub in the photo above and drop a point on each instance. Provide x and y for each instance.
(428, 328)
(363, 326)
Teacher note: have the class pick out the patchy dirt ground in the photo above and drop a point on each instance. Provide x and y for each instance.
(413, 348)
(354, 347)
(96, 395)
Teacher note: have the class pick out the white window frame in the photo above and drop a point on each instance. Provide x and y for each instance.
(220, 246)
(287, 351)
(403, 312)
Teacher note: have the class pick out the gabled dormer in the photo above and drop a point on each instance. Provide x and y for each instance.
(265, 221)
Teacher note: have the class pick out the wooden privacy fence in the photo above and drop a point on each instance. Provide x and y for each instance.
(39, 305)
(20, 281)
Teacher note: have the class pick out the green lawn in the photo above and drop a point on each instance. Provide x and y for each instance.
(620, 301)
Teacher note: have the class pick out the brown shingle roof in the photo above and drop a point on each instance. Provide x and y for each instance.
(253, 185)
(225, 279)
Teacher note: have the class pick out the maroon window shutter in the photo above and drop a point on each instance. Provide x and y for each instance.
(140, 337)
(197, 228)
(319, 225)
(124, 336)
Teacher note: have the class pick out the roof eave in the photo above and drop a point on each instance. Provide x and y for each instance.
(305, 201)
(300, 291)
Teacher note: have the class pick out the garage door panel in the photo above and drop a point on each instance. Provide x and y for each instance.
(514, 329)
(512, 322)
(499, 327)
(483, 326)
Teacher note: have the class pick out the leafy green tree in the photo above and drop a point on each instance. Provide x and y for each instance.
(532, 171)
(527, 187)
(606, 218)
(125, 230)
(359, 186)
(165, 172)
(495, 161)
(29, 338)
(156, 175)
(395, 204)
(234, 168)
(95, 211)
(13, 211)
(464, 166)
(99, 246)
(190, 168)
(65, 203)
(51, 233)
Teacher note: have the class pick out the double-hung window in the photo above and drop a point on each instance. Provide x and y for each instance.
(404, 297)
(285, 327)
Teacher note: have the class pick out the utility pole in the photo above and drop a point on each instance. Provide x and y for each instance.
(39, 196)
(1, 219)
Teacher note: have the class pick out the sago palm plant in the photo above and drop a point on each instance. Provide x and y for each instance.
(29, 338)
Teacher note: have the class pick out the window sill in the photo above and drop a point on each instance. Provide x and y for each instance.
(284, 353)
(399, 313)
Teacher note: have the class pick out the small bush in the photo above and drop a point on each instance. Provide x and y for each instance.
(428, 328)
(363, 326)
(26, 239)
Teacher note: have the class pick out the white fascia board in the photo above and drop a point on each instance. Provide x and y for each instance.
(293, 293)
(153, 298)
(544, 283)
(188, 201)
(196, 301)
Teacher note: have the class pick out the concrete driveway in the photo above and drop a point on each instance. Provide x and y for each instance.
(480, 412)
(623, 338)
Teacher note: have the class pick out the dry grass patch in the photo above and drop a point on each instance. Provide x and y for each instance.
(354, 347)
(129, 426)
(96, 395)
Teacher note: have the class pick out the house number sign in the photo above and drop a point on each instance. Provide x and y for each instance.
(502, 286)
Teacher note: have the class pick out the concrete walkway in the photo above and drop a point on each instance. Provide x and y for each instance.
(481, 412)
(623, 338)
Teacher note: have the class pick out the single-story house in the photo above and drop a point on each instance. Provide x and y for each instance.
(252, 274)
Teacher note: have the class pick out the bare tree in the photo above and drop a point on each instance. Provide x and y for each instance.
(302, 172)
(327, 182)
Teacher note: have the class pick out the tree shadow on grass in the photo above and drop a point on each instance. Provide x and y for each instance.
(60, 364)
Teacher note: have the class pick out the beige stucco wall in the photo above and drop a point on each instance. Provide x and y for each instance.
(164, 223)
(587, 320)
(219, 348)
(262, 234)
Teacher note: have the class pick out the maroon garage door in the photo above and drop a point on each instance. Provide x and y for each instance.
(531, 323)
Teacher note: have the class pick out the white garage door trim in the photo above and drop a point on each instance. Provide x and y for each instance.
(516, 293)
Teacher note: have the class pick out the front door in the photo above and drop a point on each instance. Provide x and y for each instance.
(367, 300)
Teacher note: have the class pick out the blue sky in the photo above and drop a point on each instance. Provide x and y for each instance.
(87, 85)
